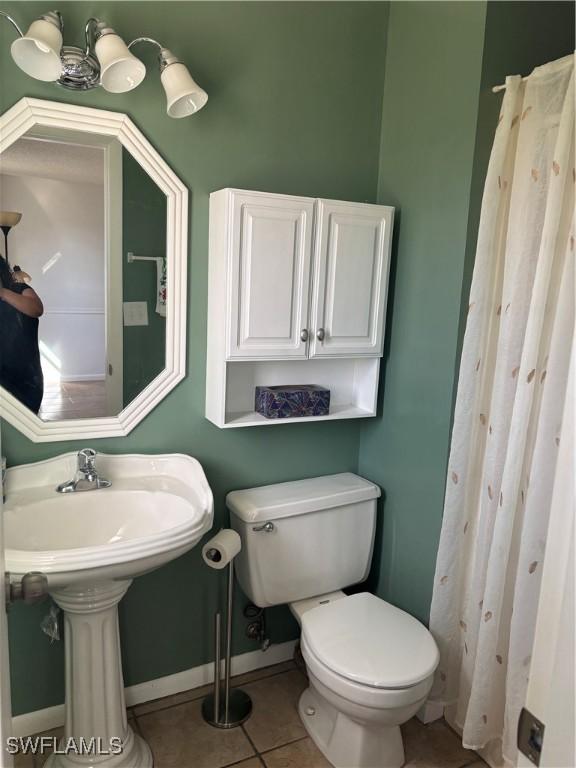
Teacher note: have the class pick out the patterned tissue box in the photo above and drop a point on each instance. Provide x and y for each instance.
(285, 402)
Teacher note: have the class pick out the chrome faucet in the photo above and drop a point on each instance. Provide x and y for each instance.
(86, 477)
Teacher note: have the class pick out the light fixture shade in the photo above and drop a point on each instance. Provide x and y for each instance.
(38, 52)
(120, 70)
(9, 218)
(183, 95)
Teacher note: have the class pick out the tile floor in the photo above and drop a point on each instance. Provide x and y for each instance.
(272, 738)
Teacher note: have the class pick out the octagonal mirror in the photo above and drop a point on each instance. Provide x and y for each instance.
(92, 274)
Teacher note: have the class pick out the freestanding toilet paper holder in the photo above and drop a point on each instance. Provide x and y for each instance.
(235, 706)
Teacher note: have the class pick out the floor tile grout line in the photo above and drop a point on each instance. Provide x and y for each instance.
(281, 746)
(132, 710)
(254, 747)
(242, 760)
(259, 752)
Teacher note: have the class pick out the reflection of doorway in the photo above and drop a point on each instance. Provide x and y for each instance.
(113, 207)
(70, 242)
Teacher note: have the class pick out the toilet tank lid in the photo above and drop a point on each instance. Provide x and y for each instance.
(270, 502)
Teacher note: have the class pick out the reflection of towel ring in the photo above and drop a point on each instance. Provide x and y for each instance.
(160, 278)
(130, 258)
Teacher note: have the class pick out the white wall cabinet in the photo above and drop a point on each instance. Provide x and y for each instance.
(269, 261)
(350, 279)
(297, 295)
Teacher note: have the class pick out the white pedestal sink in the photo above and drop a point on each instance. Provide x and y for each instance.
(91, 545)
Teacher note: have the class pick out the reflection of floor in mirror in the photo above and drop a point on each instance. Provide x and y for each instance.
(73, 400)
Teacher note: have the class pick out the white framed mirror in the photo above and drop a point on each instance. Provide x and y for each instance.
(93, 272)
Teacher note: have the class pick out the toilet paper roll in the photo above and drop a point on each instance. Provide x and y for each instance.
(221, 549)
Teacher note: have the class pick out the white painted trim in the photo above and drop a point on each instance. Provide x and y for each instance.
(84, 377)
(48, 115)
(197, 676)
(74, 311)
(38, 721)
(53, 717)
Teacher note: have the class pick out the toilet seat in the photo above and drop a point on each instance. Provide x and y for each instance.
(365, 641)
(359, 694)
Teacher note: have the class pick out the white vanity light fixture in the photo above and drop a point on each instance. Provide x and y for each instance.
(120, 70)
(105, 61)
(38, 51)
(183, 94)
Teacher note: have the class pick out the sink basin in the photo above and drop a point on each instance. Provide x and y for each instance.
(157, 508)
(90, 545)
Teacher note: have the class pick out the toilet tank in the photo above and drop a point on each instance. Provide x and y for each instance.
(303, 538)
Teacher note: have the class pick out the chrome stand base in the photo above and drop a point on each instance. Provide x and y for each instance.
(239, 710)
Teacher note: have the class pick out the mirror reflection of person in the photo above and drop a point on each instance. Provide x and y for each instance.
(20, 368)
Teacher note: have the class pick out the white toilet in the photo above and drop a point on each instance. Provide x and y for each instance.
(370, 665)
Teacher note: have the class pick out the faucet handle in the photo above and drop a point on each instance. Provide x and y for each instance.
(86, 460)
(86, 478)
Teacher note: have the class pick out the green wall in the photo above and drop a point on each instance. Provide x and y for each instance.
(430, 109)
(295, 106)
(143, 233)
(439, 116)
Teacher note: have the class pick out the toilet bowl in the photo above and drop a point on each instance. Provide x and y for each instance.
(370, 668)
(370, 664)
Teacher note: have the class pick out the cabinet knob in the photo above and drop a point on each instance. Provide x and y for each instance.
(320, 334)
(303, 335)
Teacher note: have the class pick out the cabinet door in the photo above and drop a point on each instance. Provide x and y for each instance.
(270, 264)
(350, 279)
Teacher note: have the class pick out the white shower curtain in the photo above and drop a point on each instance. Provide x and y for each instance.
(507, 421)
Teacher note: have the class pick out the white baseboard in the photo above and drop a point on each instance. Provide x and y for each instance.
(53, 717)
(430, 711)
(83, 377)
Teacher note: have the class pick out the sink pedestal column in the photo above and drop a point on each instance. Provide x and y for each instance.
(96, 723)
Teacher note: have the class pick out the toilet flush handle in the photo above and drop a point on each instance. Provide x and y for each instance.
(266, 527)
